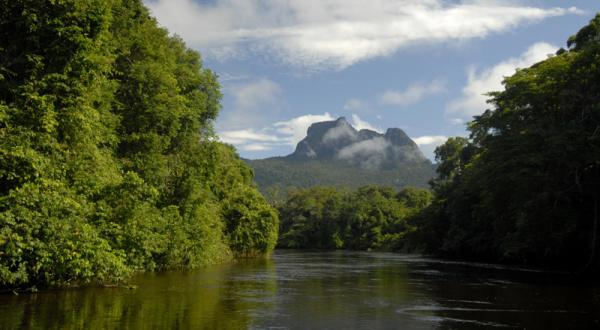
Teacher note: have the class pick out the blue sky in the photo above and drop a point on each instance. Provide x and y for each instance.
(421, 65)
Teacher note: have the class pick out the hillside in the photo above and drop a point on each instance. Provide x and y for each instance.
(334, 153)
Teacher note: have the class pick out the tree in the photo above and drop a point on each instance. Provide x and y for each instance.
(370, 218)
(525, 187)
(108, 163)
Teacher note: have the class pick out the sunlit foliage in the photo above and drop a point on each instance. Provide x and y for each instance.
(107, 159)
(370, 218)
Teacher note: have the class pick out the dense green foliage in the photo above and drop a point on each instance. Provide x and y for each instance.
(525, 187)
(107, 164)
(277, 176)
(370, 218)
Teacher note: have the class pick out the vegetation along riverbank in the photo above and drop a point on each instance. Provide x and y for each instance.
(524, 188)
(109, 164)
(108, 161)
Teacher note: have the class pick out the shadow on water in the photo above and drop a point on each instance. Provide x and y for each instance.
(319, 290)
(479, 296)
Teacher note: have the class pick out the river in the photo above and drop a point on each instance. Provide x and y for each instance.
(319, 290)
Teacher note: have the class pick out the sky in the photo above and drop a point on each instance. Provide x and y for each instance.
(421, 65)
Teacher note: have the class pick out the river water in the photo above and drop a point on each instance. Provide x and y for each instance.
(319, 290)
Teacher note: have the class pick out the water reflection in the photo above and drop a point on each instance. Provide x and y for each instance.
(310, 290)
(214, 298)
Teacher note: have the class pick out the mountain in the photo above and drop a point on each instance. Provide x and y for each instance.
(335, 153)
(339, 141)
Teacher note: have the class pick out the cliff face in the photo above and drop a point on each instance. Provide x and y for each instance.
(338, 140)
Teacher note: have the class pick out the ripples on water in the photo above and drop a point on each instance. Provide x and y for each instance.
(320, 290)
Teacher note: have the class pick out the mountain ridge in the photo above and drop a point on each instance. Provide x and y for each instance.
(339, 140)
(337, 154)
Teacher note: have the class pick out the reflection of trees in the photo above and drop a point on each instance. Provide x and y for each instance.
(340, 290)
(322, 288)
(207, 299)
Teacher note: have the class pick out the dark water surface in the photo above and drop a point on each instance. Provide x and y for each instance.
(319, 290)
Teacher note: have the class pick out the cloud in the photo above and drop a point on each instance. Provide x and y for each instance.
(243, 136)
(359, 124)
(368, 154)
(283, 133)
(364, 148)
(428, 143)
(295, 129)
(339, 132)
(413, 94)
(321, 34)
(254, 147)
(430, 140)
(473, 99)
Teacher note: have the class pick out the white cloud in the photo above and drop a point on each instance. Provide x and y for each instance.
(342, 132)
(430, 140)
(413, 94)
(473, 101)
(283, 133)
(364, 148)
(359, 124)
(295, 129)
(255, 147)
(243, 136)
(336, 34)
(428, 143)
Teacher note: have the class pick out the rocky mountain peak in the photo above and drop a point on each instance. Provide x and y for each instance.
(339, 140)
(397, 136)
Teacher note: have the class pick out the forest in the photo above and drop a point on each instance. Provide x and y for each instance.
(523, 188)
(108, 160)
(110, 166)
(369, 218)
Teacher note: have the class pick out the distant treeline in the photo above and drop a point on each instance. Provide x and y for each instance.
(523, 188)
(370, 218)
(107, 159)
